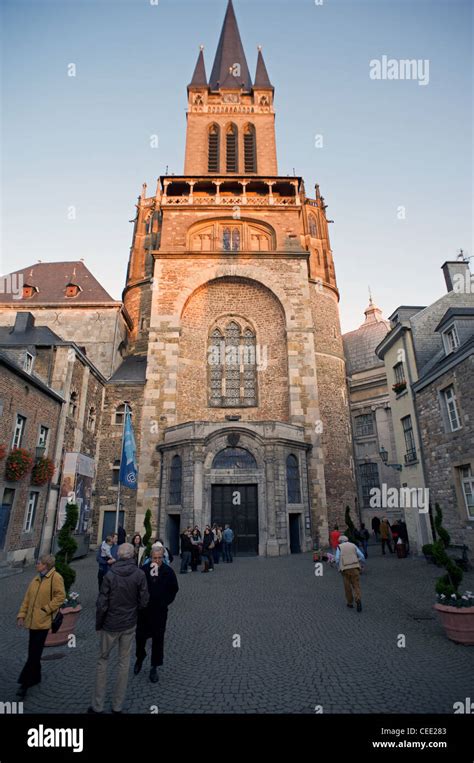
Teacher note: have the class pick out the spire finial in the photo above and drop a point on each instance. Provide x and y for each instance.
(371, 301)
(201, 47)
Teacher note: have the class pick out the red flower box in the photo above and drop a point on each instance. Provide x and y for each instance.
(19, 462)
(43, 471)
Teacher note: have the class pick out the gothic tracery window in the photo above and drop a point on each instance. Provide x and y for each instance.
(233, 366)
(293, 479)
(313, 228)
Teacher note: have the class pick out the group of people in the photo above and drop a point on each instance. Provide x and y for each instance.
(390, 533)
(208, 549)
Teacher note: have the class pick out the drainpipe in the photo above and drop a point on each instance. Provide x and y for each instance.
(308, 451)
(49, 491)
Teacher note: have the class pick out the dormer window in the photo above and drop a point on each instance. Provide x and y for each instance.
(28, 363)
(451, 340)
(72, 290)
(29, 291)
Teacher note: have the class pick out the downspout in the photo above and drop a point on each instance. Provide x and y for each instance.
(308, 451)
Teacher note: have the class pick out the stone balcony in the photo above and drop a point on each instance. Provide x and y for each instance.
(230, 191)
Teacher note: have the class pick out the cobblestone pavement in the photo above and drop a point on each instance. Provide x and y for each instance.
(300, 645)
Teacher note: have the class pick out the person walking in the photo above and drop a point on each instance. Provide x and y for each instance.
(376, 528)
(124, 591)
(162, 587)
(334, 538)
(386, 535)
(364, 539)
(44, 597)
(207, 547)
(186, 550)
(403, 532)
(348, 558)
(228, 539)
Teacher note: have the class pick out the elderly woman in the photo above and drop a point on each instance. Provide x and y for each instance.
(43, 598)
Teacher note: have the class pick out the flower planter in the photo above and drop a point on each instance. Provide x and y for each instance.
(458, 623)
(70, 618)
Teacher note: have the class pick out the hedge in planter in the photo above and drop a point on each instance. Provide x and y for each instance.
(448, 584)
(147, 537)
(67, 546)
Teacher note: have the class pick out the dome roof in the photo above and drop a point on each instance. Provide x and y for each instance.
(359, 345)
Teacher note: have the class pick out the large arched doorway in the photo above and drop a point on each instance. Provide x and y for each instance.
(236, 504)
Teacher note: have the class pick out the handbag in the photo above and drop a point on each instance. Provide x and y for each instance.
(59, 617)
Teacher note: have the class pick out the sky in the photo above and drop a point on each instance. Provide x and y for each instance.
(394, 160)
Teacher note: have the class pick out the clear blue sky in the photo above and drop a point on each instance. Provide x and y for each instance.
(85, 141)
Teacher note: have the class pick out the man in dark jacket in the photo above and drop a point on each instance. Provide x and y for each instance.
(162, 587)
(186, 550)
(123, 592)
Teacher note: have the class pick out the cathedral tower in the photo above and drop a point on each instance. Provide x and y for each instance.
(232, 294)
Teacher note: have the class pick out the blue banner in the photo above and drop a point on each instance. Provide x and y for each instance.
(128, 462)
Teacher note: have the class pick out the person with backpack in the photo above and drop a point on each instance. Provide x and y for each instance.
(348, 559)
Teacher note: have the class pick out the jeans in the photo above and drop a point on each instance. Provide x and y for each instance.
(364, 544)
(31, 673)
(227, 551)
(185, 560)
(108, 639)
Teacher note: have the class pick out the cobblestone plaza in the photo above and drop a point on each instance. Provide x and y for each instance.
(300, 646)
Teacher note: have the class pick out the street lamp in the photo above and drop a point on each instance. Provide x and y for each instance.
(384, 456)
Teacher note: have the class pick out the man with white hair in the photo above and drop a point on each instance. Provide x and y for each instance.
(348, 558)
(123, 592)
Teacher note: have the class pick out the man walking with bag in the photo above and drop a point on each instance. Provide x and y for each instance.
(348, 557)
(123, 592)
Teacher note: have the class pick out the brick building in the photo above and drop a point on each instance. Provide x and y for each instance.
(29, 418)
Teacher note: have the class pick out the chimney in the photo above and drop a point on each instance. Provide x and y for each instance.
(23, 322)
(456, 274)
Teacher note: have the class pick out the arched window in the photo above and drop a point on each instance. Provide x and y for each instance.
(73, 403)
(231, 239)
(176, 480)
(119, 416)
(293, 479)
(250, 149)
(233, 366)
(116, 471)
(234, 458)
(313, 227)
(91, 417)
(213, 153)
(231, 149)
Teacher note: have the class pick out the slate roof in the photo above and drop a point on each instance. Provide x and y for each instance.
(262, 80)
(199, 77)
(51, 279)
(132, 370)
(359, 345)
(230, 52)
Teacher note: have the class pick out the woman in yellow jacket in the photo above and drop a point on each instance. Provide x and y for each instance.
(45, 595)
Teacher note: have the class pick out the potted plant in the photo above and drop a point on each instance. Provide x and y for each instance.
(43, 471)
(71, 608)
(350, 531)
(456, 610)
(399, 387)
(18, 463)
(147, 537)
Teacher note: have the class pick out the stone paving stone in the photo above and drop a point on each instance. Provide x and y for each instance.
(300, 645)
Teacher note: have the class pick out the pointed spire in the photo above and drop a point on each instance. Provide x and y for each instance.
(199, 77)
(262, 80)
(230, 68)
